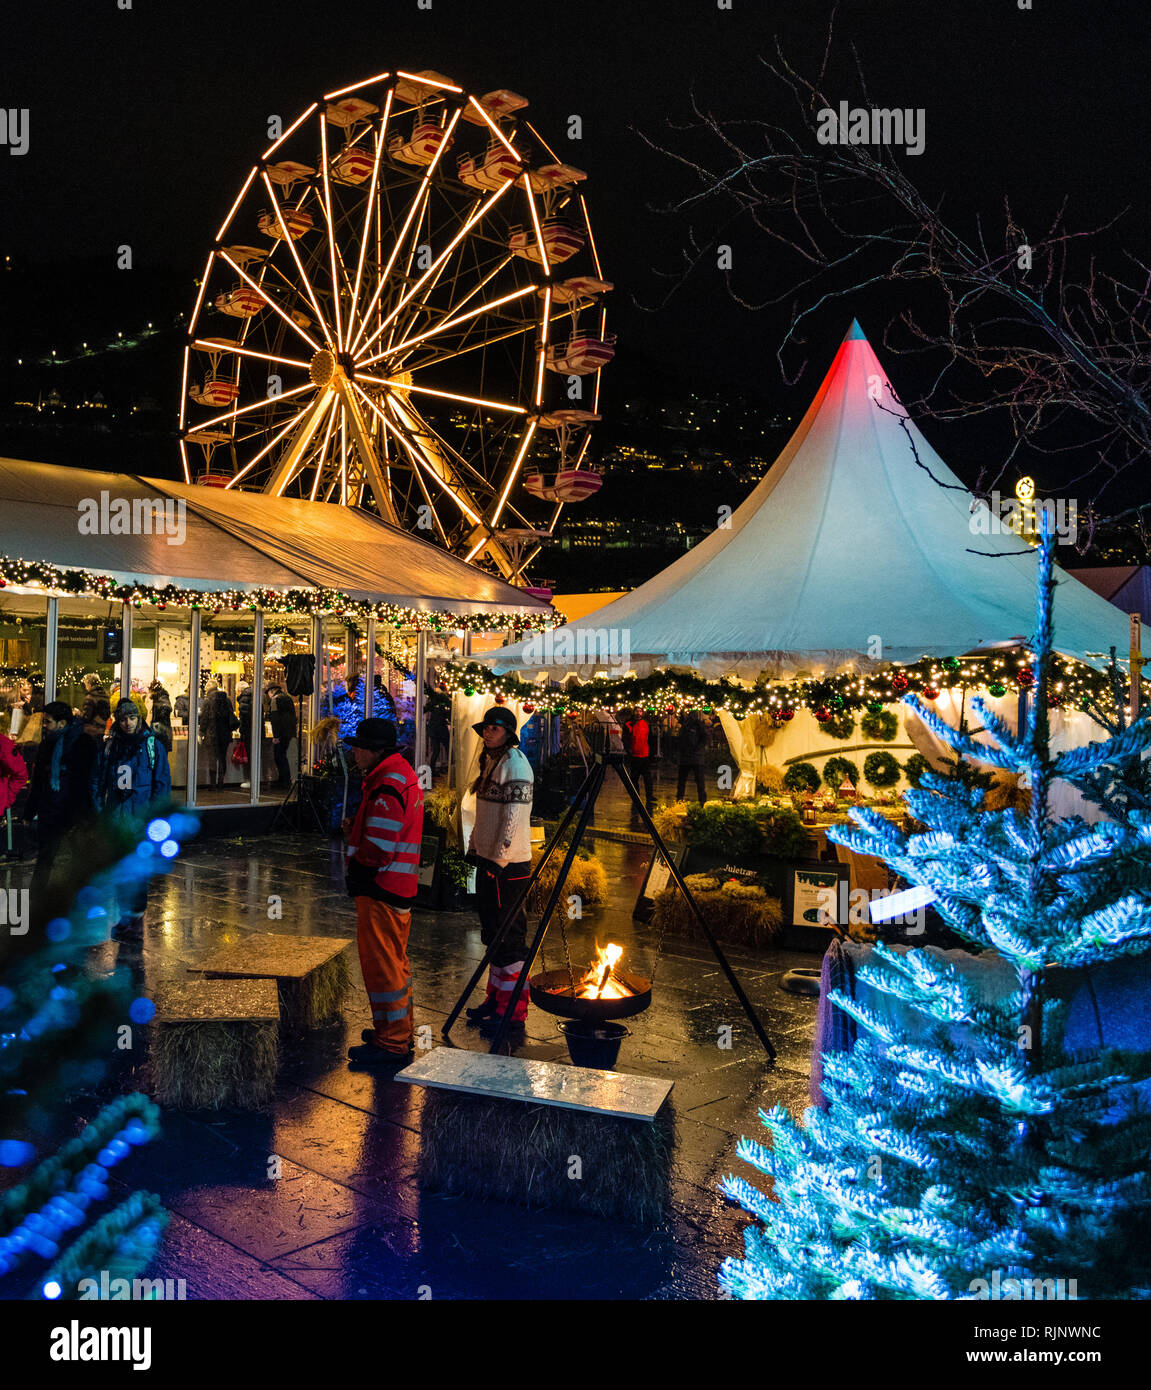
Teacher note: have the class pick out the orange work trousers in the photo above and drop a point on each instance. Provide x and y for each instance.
(382, 938)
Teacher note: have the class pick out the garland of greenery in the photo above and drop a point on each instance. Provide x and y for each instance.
(309, 602)
(1070, 685)
(125, 1240)
(879, 724)
(801, 777)
(836, 769)
(881, 769)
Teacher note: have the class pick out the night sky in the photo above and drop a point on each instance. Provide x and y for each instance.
(144, 122)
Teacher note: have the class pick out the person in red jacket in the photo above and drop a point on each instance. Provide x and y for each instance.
(13, 779)
(637, 741)
(383, 863)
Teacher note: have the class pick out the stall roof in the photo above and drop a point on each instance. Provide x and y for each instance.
(237, 540)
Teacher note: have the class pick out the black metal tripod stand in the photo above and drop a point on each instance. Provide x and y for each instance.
(583, 804)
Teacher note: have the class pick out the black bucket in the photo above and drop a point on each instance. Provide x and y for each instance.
(593, 1043)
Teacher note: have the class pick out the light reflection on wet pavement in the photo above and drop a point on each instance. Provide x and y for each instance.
(346, 1217)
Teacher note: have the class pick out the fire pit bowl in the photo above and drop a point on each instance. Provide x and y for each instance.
(552, 992)
(593, 1044)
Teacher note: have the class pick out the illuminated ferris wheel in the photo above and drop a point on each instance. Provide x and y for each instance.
(388, 319)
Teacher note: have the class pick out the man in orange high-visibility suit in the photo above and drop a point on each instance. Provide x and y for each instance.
(383, 864)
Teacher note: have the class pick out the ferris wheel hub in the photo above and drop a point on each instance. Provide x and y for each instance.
(323, 368)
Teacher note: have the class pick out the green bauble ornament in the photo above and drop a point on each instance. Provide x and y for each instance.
(997, 688)
(875, 707)
(469, 690)
(836, 702)
(951, 663)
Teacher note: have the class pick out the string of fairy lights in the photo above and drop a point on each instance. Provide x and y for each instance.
(317, 602)
(1071, 685)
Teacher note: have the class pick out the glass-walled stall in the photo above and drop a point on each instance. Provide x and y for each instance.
(225, 690)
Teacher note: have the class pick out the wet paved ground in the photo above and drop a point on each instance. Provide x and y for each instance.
(346, 1218)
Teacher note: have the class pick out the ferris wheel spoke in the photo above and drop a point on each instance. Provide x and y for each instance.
(445, 395)
(256, 405)
(370, 206)
(455, 322)
(271, 444)
(441, 260)
(248, 352)
(462, 465)
(289, 461)
(416, 447)
(270, 302)
(369, 461)
(332, 257)
(319, 466)
(299, 268)
(451, 354)
(421, 196)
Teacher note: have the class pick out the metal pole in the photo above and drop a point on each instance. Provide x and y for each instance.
(370, 670)
(515, 906)
(126, 654)
(256, 732)
(194, 706)
(649, 826)
(51, 642)
(593, 785)
(419, 750)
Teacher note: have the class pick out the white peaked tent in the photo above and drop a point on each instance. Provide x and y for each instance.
(848, 548)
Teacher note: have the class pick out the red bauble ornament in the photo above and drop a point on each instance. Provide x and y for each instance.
(529, 709)
(930, 692)
(823, 714)
(899, 682)
(1025, 676)
(786, 713)
(573, 713)
(501, 699)
(3, 583)
(443, 685)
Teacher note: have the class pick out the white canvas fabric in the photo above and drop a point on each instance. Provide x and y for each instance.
(848, 539)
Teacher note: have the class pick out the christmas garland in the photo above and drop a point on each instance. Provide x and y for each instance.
(1071, 685)
(307, 602)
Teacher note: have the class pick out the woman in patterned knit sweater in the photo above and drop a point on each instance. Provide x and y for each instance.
(501, 849)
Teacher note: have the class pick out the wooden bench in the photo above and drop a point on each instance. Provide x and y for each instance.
(214, 1043)
(544, 1134)
(311, 973)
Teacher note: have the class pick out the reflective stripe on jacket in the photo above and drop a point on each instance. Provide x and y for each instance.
(388, 826)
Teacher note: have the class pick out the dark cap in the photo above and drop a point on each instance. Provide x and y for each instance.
(123, 706)
(376, 735)
(502, 718)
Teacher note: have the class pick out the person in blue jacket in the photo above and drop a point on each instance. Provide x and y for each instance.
(132, 780)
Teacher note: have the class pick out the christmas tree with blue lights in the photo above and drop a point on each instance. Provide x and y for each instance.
(972, 1145)
(60, 1012)
(349, 707)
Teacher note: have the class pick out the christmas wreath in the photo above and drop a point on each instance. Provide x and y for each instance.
(836, 769)
(915, 767)
(841, 725)
(881, 769)
(801, 777)
(883, 725)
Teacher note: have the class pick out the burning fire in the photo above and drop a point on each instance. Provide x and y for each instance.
(599, 983)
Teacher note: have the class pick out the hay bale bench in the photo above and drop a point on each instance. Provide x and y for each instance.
(311, 974)
(740, 914)
(214, 1043)
(544, 1134)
